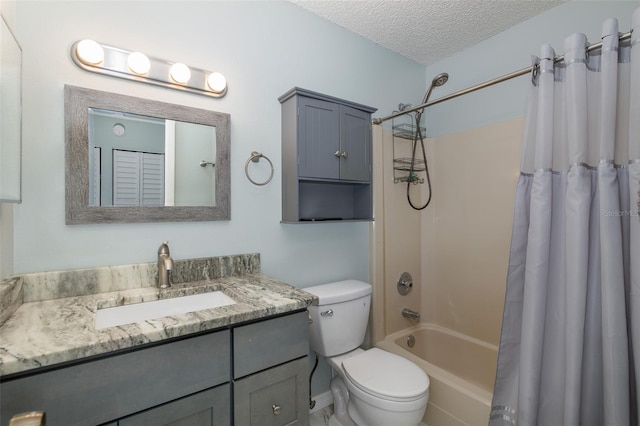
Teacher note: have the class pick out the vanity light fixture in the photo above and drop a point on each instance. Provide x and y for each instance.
(97, 57)
(180, 73)
(89, 52)
(217, 82)
(138, 63)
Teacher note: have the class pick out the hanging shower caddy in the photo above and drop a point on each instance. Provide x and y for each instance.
(404, 132)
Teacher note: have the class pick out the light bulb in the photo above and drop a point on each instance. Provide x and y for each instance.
(180, 73)
(216, 82)
(138, 63)
(90, 52)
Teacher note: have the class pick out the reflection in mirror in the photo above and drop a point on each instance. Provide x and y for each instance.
(136, 160)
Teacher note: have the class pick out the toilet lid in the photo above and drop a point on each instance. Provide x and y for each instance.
(386, 375)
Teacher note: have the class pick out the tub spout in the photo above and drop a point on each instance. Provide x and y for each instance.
(408, 313)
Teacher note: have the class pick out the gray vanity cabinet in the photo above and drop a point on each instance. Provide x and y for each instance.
(109, 388)
(326, 158)
(189, 381)
(271, 368)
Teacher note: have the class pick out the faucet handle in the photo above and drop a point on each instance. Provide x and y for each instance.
(164, 248)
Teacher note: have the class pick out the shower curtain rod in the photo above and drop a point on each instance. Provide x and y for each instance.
(488, 83)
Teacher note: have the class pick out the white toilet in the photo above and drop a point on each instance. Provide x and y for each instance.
(371, 387)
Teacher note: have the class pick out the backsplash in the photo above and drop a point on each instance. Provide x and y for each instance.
(210, 268)
(81, 282)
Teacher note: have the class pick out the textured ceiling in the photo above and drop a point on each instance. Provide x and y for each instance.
(427, 30)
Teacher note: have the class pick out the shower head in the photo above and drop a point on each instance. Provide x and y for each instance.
(438, 80)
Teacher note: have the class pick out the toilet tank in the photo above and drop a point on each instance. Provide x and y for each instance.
(339, 322)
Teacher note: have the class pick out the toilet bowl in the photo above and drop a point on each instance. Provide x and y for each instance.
(383, 388)
(369, 387)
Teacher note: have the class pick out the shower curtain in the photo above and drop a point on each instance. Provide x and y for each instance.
(570, 345)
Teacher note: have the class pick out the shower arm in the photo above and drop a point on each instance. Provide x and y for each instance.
(496, 80)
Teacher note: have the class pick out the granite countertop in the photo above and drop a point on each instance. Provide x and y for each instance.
(47, 332)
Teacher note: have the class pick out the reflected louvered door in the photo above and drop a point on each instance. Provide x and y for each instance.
(138, 178)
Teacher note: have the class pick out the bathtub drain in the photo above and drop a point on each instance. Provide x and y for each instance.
(411, 341)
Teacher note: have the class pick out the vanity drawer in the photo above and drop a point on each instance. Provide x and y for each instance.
(112, 387)
(274, 397)
(264, 344)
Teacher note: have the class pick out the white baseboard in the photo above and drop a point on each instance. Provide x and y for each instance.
(322, 400)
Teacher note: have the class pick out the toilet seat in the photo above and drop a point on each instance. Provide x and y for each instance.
(386, 375)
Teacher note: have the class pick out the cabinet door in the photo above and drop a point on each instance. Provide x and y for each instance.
(206, 408)
(274, 397)
(318, 139)
(355, 144)
(116, 386)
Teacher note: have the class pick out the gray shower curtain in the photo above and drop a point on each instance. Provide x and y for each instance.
(570, 345)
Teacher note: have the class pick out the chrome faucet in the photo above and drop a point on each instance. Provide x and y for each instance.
(165, 265)
(408, 313)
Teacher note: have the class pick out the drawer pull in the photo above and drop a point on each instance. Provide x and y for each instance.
(276, 409)
(328, 313)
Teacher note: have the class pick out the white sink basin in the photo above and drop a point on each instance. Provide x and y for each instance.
(127, 314)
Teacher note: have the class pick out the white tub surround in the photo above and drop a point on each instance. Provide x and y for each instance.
(49, 331)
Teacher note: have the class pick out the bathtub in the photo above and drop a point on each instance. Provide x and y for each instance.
(461, 370)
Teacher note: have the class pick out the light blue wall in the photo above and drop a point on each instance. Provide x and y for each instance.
(263, 48)
(509, 51)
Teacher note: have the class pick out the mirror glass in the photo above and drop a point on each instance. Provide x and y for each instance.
(136, 160)
(10, 115)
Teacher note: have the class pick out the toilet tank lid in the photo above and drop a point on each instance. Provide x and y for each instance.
(340, 291)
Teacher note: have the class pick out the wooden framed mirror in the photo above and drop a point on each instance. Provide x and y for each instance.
(136, 160)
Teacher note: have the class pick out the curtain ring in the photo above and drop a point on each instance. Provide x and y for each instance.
(535, 70)
(255, 157)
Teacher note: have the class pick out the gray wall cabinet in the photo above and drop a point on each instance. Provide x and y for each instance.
(184, 382)
(326, 158)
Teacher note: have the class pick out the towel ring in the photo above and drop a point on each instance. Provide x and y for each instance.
(255, 157)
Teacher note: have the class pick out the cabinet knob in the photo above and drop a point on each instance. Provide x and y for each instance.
(276, 409)
(339, 154)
